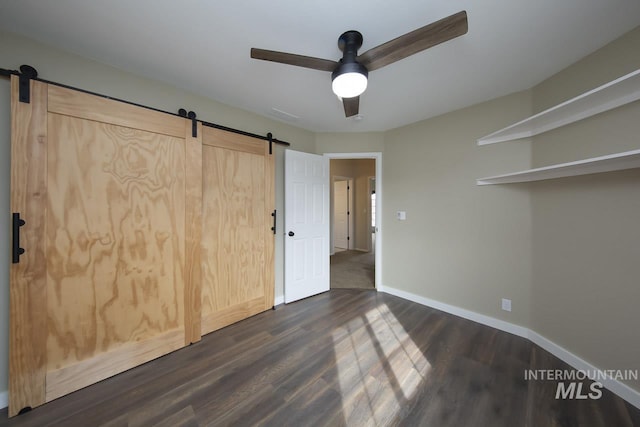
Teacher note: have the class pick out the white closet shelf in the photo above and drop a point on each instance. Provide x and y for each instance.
(616, 93)
(608, 163)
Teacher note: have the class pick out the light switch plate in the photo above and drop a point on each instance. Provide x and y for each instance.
(401, 215)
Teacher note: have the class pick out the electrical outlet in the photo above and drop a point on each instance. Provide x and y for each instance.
(506, 304)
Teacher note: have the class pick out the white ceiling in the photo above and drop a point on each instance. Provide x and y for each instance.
(203, 46)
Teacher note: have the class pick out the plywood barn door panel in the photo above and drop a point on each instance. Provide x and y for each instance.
(237, 240)
(115, 282)
(115, 248)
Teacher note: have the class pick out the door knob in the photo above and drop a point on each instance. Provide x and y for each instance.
(291, 234)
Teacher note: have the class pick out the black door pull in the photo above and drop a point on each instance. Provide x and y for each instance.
(17, 250)
(291, 234)
(273, 214)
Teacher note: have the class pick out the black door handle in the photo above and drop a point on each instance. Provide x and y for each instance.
(273, 214)
(16, 250)
(291, 234)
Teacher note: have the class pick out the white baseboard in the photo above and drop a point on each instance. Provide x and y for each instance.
(4, 399)
(279, 300)
(460, 312)
(622, 390)
(615, 386)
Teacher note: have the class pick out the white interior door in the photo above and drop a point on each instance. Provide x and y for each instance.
(306, 225)
(341, 214)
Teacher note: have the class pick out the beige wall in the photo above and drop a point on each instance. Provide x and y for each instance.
(461, 244)
(341, 167)
(63, 67)
(606, 133)
(586, 233)
(364, 142)
(360, 170)
(608, 63)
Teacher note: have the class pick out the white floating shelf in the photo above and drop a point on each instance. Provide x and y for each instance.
(616, 93)
(608, 163)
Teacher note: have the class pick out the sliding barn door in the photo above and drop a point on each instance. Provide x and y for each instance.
(108, 195)
(237, 239)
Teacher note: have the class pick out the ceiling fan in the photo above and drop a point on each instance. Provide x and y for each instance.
(349, 75)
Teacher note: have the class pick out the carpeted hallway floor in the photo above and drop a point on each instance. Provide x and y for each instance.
(352, 269)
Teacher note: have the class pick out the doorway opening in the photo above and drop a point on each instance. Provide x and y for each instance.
(354, 208)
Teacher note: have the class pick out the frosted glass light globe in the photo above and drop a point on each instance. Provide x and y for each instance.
(349, 85)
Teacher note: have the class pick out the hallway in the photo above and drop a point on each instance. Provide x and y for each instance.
(352, 269)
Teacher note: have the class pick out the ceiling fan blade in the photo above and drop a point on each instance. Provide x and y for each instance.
(293, 59)
(418, 40)
(351, 106)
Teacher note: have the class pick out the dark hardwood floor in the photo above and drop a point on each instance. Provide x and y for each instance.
(343, 358)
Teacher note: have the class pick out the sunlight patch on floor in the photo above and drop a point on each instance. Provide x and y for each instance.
(406, 361)
(379, 366)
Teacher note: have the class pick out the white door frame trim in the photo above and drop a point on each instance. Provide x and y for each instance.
(377, 156)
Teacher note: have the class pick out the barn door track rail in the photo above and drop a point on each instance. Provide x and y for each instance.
(28, 73)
